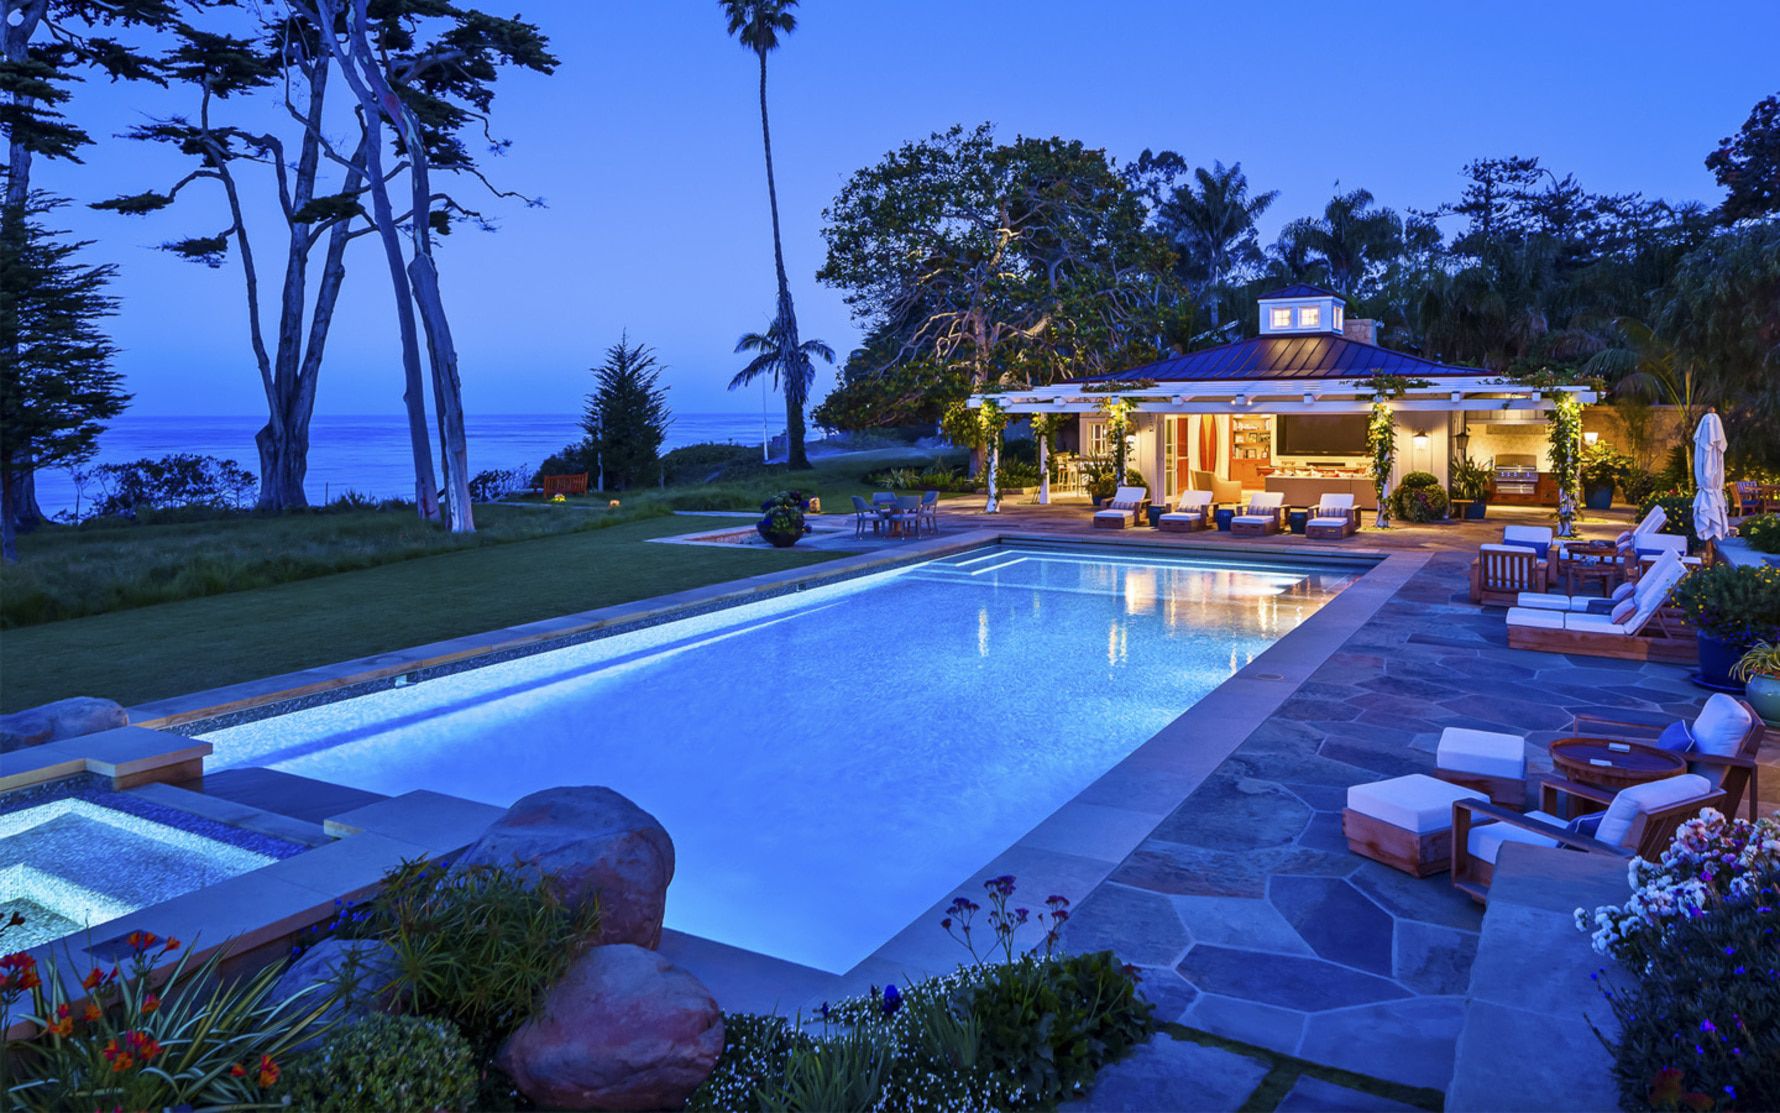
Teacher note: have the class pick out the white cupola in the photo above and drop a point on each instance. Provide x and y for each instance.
(1299, 309)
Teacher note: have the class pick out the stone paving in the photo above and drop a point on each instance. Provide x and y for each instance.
(1244, 908)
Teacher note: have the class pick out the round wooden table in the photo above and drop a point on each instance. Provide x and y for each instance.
(1614, 765)
(1596, 561)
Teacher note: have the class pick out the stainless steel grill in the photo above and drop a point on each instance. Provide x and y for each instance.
(1517, 474)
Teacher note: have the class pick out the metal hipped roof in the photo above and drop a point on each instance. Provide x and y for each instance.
(1320, 355)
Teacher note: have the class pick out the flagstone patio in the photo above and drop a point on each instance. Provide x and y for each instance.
(1245, 909)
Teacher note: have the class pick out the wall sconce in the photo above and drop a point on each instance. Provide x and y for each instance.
(1590, 437)
(1309, 398)
(1421, 440)
(1240, 400)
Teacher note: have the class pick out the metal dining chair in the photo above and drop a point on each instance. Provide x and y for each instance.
(864, 513)
(930, 511)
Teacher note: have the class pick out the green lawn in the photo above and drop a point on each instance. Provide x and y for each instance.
(151, 652)
(273, 605)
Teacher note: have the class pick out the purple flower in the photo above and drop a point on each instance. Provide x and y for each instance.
(892, 999)
(1708, 1026)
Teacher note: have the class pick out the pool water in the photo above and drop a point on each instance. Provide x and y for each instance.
(72, 863)
(830, 763)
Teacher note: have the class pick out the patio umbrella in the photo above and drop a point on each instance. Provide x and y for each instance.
(1711, 518)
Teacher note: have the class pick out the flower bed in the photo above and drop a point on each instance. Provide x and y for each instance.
(1700, 1028)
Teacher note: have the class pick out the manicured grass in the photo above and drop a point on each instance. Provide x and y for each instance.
(69, 573)
(153, 652)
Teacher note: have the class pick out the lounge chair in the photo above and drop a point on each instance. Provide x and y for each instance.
(1720, 743)
(864, 513)
(1222, 490)
(1592, 604)
(1639, 628)
(1501, 573)
(1640, 820)
(1191, 513)
(1335, 518)
(1125, 508)
(1265, 509)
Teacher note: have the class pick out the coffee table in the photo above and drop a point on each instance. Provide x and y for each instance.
(1614, 765)
(1596, 561)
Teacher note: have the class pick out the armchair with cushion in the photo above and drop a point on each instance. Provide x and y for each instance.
(1640, 820)
(1720, 743)
(1192, 513)
(1334, 518)
(1222, 490)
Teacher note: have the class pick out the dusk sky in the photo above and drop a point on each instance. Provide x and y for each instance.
(646, 146)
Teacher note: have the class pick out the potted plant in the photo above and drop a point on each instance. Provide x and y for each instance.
(1471, 482)
(1602, 469)
(782, 522)
(1419, 498)
(1732, 607)
(1100, 481)
(1759, 670)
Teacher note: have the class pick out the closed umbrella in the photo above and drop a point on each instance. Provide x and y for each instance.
(1711, 517)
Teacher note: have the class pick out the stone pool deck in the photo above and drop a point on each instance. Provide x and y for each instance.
(1245, 909)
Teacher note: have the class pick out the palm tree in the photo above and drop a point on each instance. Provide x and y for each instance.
(1211, 222)
(757, 25)
(1645, 365)
(1353, 239)
(787, 360)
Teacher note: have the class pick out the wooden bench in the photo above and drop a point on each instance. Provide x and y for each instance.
(565, 485)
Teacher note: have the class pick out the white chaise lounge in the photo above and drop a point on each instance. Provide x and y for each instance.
(1333, 519)
(1635, 629)
(1193, 512)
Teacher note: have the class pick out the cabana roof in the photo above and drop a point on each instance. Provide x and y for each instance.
(1319, 355)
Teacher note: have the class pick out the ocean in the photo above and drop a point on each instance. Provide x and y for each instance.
(368, 453)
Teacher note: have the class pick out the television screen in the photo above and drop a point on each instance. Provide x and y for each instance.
(1322, 435)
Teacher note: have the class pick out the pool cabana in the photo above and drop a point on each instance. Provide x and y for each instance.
(1286, 411)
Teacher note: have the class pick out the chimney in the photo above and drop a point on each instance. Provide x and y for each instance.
(1361, 329)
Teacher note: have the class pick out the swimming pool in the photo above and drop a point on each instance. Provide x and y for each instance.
(830, 762)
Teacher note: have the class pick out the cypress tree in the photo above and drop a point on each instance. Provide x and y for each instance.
(627, 415)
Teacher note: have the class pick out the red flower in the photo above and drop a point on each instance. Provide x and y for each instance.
(93, 980)
(150, 1003)
(18, 972)
(237, 1071)
(269, 1072)
(93, 1013)
(171, 945)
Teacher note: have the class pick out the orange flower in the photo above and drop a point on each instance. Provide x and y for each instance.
(150, 1004)
(63, 1026)
(93, 980)
(141, 940)
(171, 945)
(18, 972)
(122, 1062)
(93, 1013)
(237, 1071)
(269, 1072)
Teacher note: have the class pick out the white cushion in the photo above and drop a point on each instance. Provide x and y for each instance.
(1485, 842)
(1544, 601)
(1254, 519)
(1194, 500)
(1112, 513)
(1330, 521)
(1528, 616)
(1266, 500)
(1527, 534)
(1416, 803)
(1718, 730)
(1487, 753)
(1178, 516)
(1624, 591)
(1640, 799)
(1336, 502)
(1584, 623)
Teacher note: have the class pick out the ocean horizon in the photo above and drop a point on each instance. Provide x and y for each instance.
(366, 453)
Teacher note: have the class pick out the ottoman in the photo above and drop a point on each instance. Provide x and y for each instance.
(1405, 822)
(1488, 761)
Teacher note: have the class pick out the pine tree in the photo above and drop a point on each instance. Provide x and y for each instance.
(57, 385)
(627, 415)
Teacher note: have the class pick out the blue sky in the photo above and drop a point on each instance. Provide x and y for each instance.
(646, 146)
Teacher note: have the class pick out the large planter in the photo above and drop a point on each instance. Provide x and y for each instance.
(1717, 659)
(779, 539)
(1476, 510)
(1599, 498)
(1763, 694)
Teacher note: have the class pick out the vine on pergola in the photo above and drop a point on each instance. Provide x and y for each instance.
(1381, 435)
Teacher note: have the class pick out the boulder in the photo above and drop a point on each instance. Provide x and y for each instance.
(594, 845)
(624, 1029)
(65, 718)
(363, 971)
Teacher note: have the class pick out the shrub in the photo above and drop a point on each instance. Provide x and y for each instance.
(498, 483)
(176, 482)
(573, 459)
(1050, 1024)
(127, 1039)
(1638, 484)
(708, 463)
(1420, 479)
(402, 1064)
(1470, 479)
(1738, 604)
(1419, 502)
(476, 946)
(1763, 533)
(1700, 1026)
(1016, 474)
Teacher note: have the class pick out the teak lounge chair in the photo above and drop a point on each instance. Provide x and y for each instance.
(1191, 513)
(1639, 820)
(1720, 744)
(1637, 629)
(1124, 509)
(1334, 519)
(1501, 573)
(1265, 508)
